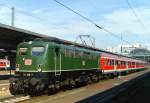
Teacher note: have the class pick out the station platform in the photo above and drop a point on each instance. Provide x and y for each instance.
(6, 74)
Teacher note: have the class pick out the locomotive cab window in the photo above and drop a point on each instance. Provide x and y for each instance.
(23, 51)
(37, 51)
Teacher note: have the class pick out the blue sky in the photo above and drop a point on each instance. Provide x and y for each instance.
(50, 18)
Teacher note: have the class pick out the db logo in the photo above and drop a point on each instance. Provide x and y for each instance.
(28, 62)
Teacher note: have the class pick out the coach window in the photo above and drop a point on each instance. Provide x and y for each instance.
(132, 63)
(119, 63)
(116, 62)
(122, 63)
(128, 63)
(105, 61)
(112, 62)
(108, 62)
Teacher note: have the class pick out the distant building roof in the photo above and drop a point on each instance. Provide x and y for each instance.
(140, 51)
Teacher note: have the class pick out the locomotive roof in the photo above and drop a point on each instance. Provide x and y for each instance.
(81, 47)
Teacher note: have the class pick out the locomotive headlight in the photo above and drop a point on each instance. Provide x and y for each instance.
(17, 69)
(39, 69)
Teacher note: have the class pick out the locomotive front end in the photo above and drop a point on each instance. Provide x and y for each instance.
(30, 76)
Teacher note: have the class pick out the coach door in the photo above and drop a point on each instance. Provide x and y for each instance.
(57, 61)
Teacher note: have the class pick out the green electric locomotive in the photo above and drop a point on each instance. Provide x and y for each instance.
(44, 65)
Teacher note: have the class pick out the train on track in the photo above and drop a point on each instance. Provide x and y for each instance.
(47, 65)
(4, 64)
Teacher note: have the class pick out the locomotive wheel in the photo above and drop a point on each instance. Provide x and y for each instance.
(12, 90)
(89, 80)
(36, 86)
(57, 86)
(15, 88)
(95, 78)
(51, 89)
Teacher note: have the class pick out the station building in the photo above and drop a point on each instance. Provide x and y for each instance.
(141, 53)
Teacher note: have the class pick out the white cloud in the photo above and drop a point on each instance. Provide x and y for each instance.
(124, 20)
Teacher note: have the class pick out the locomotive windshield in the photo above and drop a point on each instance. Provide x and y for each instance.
(23, 51)
(37, 51)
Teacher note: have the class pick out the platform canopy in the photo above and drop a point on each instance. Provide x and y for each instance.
(11, 36)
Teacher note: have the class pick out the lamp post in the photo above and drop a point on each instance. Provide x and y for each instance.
(12, 16)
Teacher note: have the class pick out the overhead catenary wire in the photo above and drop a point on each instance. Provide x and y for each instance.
(84, 17)
(94, 6)
(91, 21)
(137, 17)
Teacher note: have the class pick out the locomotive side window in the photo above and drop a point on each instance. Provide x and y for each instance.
(57, 51)
(23, 51)
(37, 51)
(78, 54)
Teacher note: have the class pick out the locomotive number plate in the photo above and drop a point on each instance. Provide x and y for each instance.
(28, 62)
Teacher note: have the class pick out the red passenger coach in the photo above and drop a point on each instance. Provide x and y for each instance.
(4, 63)
(114, 63)
(107, 63)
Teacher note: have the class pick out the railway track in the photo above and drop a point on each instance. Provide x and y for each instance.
(109, 95)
